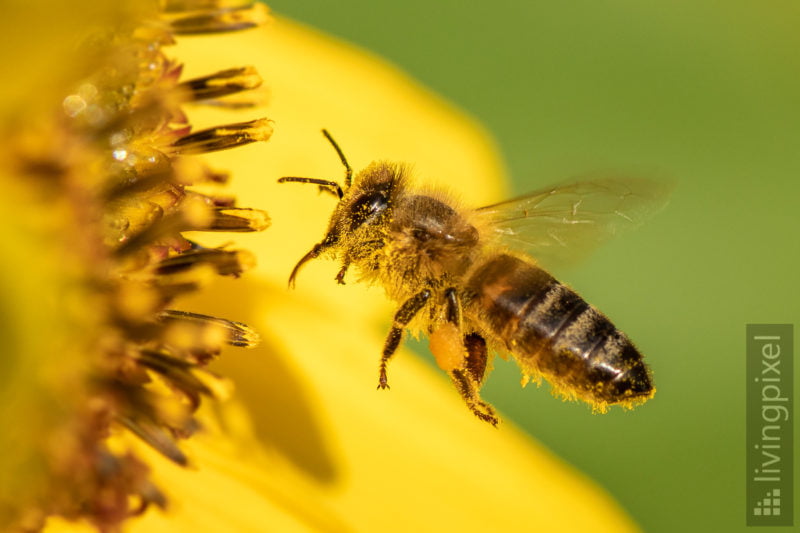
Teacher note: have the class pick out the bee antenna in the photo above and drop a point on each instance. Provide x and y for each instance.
(324, 185)
(348, 171)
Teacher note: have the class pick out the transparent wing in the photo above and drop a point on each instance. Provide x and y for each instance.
(564, 223)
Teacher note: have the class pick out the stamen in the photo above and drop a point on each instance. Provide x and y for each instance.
(238, 219)
(179, 373)
(225, 262)
(178, 6)
(173, 285)
(244, 100)
(156, 437)
(222, 83)
(222, 19)
(160, 227)
(238, 334)
(137, 181)
(223, 137)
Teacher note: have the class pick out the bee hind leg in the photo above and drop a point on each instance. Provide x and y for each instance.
(477, 356)
(468, 389)
(467, 366)
(407, 311)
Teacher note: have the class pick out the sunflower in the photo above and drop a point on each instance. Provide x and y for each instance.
(125, 302)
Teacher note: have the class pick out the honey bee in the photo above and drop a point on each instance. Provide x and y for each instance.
(465, 277)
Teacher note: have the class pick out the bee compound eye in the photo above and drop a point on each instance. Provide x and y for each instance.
(367, 208)
(421, 234)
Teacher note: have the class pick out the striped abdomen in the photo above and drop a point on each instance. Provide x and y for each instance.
(552, 331)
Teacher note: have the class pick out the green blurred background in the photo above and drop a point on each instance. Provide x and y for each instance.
(702, 92)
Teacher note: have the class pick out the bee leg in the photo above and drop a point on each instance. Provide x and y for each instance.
(466, 386)
(453, 307)
(469, 377)
(445, 339)
(403, 316)
(477, 356)
(342, 272)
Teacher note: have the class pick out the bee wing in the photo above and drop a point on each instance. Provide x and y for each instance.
(564, 223)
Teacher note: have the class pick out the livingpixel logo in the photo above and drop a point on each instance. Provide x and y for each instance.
(769, 430)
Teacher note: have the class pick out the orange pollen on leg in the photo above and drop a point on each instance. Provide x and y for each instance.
(447, 347)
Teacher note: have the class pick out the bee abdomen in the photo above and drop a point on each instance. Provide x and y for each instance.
(552, 331)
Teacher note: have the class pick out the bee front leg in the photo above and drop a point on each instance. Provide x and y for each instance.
(407, 311)
(365, 249)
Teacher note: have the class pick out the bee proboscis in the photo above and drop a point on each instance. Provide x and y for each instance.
(464, 277)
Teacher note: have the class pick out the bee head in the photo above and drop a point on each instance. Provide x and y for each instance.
(362, 204)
